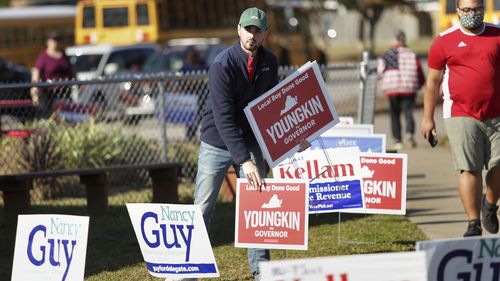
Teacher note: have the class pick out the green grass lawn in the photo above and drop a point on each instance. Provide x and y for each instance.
(113, 251)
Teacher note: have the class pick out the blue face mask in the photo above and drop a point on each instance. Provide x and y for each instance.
(472, 20)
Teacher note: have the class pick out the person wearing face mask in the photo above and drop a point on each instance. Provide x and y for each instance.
(237, 75)
(464, 61)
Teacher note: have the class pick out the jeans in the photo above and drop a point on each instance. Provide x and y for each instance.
(213, 163)
(46, 99)
(405, 104)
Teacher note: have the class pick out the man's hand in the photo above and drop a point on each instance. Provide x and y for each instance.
(431, 94)
(427, 127)
(34, 96)
(251, 173)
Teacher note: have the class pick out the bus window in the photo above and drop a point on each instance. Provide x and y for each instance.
(142, 14)
(89, 16)
(496, 5)
(115, 17)
(450, 7)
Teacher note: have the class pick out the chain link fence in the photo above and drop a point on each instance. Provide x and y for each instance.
(125, 119)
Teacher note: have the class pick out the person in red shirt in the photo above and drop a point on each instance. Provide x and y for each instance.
(464, 61)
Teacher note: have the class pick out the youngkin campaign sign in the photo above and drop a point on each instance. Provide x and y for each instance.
(403, 266)
(335, 174)
(50, 248)
(297, 108)
(366, 143)
(384, 182)
(471, 258)
(273, 216)
(173, 240)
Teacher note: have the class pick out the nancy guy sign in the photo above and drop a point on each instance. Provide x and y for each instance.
(403, 266)
(335, 174)
(272, 217)
(173, 240)
(50, 248)
(297, 108)
(472, 258)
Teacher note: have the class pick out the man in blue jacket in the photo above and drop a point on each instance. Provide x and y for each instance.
(237, 76)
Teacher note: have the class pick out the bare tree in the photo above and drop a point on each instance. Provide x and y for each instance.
(370, 12)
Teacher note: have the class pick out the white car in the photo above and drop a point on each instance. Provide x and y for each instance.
(99, 61)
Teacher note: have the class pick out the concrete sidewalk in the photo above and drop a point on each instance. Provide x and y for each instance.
(433, 203)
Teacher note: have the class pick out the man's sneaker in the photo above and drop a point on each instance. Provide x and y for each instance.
(397, 146)
(474, 228)
(489, 216)
(410, 140)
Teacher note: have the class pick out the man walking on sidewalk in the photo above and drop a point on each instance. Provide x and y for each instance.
(465, 61)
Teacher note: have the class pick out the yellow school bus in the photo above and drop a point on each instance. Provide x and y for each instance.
(448, 15)
(116, 22)
(123, 22)
(136, 21)
(493, 9)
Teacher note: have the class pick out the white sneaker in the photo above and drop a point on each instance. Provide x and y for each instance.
(397, 146)
(410, 140)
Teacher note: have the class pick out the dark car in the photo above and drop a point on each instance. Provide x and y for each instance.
(11, 72)
(15, 102)
(176, 58)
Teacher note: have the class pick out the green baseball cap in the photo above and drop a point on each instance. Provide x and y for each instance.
(254, 16)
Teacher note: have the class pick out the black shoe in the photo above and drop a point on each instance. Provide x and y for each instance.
(474, 228)
(489, 216)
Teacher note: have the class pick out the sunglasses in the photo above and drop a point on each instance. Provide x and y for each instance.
(476, 10)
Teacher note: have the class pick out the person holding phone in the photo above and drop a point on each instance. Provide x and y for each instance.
(464, 61)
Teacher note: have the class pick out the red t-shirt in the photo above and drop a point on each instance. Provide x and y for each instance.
(471, 82)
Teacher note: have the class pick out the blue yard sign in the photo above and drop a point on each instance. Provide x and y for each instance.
(366, 143)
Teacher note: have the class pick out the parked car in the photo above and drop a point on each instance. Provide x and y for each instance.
(99, 61)
(183, 100)
(172, 58)
(11, 72)
(15, 102)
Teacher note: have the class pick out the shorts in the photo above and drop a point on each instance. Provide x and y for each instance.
(474, 144)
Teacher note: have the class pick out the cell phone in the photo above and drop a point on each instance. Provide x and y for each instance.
(433, 141)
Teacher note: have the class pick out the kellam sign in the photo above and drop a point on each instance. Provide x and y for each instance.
(297, 108)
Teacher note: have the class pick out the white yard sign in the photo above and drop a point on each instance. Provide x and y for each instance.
(404, 266)
(473, 258)
(349, 129)
(335, 178)
(50, 248)
(173, 240)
